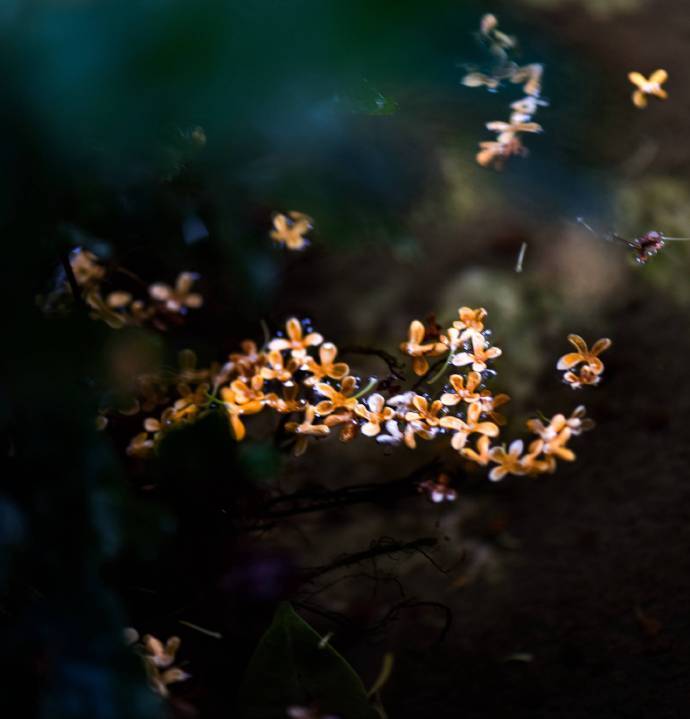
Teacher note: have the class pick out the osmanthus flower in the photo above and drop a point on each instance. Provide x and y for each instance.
(508, 462)
(136, 312)
(276, 368)
(296, 341)
(375, 413)
(180, 298)
(289, 402)
(426, 414)
(158, 659)
(555, 445)
(419, 350)
(490, 403)
(246, 362)
(481, 454)
(471, 425)
(305, 429)
(471, 322)
(530, 77)
(86, 267)
(496, 152)
(337, 399)
(464, 390)
(326, 367)
(189, 370)
(438, 490)
(648, 86)
(346, 421)
(585, 377)
(100, 310)
(141, 446)
(417, 429)
(480, 355)
(583, 355)
(237, 405)
(535, 462)
(578, 423)
(507, 129)
(289, 230)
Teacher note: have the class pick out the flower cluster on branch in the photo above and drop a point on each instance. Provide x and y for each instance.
(297, 375)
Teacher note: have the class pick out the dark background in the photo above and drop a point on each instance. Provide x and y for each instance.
(569, 593)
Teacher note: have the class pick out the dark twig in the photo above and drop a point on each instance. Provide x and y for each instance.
(321, 499)
(395, 367)
(378, 548)
(71, 279)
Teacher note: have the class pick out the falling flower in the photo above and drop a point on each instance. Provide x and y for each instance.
(645, 87)
(438, 490)
(158, 659)
(375, 413)
(289, 230)
(508, 462)
(479, 79)
(463, 390)
(179, 298)
(416, 348)
(296, 342)
(306, 429)
(471, 425)
(496, 152)
(327, 367)
(584, 355)
(337, 399)
(512, 127)
(480, 355)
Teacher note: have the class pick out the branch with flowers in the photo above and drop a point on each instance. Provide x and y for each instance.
(158, 304)
(298, 376)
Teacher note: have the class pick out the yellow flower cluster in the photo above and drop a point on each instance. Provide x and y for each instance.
(118, 308)
(298, 374)
(645, 87)
(508, 141)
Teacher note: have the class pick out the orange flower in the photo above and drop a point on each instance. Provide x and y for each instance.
(584, 354)
(375, 413)
(179, 298)
(481, 455)
(413, 430)
(531, 76)
(289, 230)
(496, 152)
(585, 378)
(342, 399)
(141, 446)
(306, 429)
(471, 322)
(238, 404)
(85, 266)
(416, 348)
(461, 391)
(651, 86)
(555, 445)
(296, 342)
(471, 425)
(327, 368)
(246, 362)
(578, 423)
(426, 414)
(289, 402)
(490, 403)
(480, 355)
(512, 128)
(277, 368)
(508, 462)
(345, 419)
